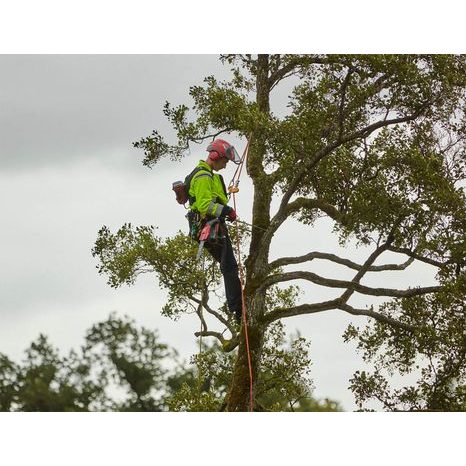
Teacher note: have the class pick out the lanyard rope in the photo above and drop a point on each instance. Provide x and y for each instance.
(233, 188)
(233, 185)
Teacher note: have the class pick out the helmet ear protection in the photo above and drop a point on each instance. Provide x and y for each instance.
(222, 149)
(214, 155)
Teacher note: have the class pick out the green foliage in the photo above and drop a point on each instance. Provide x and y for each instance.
(216, 105)
(8, 382)
(284, 382)
(47, 382)
(407, 183)
(435, 352)
(123, 255)
(130, 252)
(207, 386)
(282, 296)
(132, 359)
(125, 368)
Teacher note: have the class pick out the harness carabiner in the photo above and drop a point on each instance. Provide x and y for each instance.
(233, 189)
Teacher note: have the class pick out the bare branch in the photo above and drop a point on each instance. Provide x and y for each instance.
(201, 317)
(209, 333)
(331, 283)
(209, 136)
(204, 302)
(375, 315)
(281, 312)
(368, 263)
(224, 321)
(418, 257)
(339, 260)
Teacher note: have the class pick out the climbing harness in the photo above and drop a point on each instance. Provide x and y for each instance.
(210, 232)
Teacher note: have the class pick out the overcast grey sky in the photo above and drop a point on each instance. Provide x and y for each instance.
(67, 167)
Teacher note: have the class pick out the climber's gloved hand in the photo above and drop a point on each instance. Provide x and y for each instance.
(229, 213)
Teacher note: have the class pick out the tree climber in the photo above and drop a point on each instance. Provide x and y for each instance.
(208, 200)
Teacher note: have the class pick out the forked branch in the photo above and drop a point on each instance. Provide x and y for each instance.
(335, 304)
(349, 285)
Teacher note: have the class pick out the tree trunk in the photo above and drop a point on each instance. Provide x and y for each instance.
(239, 394)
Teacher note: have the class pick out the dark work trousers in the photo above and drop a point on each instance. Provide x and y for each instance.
(222, 252)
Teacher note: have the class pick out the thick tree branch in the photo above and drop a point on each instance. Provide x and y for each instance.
(220, 318)
(227, 345)
(375, 315)
(280, 313)
(204, 303)
(339, 260)
(370, 260)
(331, 283)
(209, 333)
(201, 318)
(354, 285)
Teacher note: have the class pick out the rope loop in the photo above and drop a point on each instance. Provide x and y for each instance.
(234, 183)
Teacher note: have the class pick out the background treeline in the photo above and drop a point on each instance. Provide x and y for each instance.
(123, 367)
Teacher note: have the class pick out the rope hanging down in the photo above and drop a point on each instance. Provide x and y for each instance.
(233, 189)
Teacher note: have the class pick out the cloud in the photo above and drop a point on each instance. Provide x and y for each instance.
(56, 109)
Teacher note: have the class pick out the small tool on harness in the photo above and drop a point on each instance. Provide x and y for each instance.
(210, 232)
(181, 188)
(180, 191)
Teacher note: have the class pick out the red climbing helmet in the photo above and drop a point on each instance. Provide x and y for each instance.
(220, 148)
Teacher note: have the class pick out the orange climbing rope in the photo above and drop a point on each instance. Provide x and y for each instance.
(233, 189)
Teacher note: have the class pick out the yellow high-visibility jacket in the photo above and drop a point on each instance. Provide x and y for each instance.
(208, 191)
